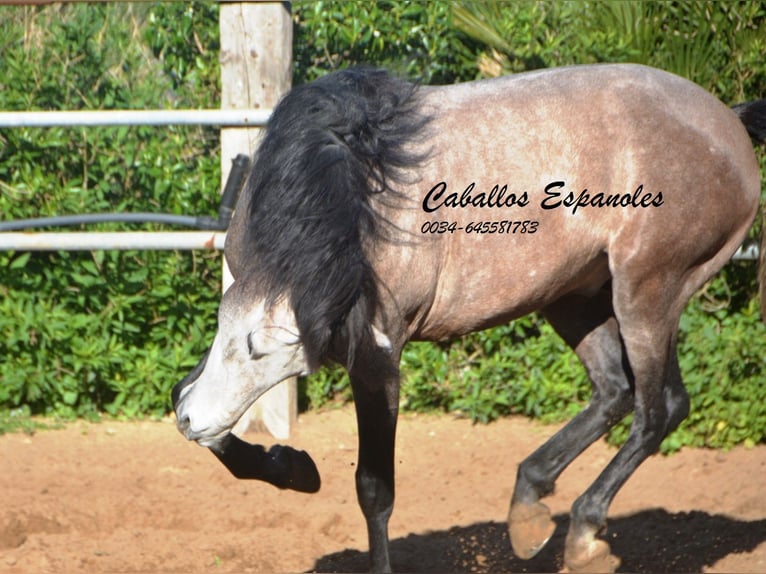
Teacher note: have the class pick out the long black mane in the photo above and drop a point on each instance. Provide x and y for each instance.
(329, 147)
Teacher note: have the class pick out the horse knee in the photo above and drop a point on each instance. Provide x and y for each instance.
(375, 494)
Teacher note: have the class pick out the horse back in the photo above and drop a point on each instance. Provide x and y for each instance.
(554, 182)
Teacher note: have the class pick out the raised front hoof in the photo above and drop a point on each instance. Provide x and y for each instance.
(530, 527)
(282, 466)
(589, 555)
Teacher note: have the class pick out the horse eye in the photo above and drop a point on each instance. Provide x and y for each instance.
(252, 351)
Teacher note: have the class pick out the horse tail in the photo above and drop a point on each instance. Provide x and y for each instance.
(753, 116)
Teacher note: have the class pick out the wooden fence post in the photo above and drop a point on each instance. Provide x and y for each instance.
(256, 70)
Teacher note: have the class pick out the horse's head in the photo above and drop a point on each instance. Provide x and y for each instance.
(257, 346)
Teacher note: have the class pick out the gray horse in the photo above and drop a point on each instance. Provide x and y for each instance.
(378, 212)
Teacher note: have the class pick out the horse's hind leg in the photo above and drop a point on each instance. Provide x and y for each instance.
(648, 329)
(588, 325)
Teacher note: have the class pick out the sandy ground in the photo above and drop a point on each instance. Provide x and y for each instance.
(135, 497)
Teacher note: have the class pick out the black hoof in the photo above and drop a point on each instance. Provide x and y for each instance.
(282, 466)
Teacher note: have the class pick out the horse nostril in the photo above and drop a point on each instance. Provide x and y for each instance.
(183, 422)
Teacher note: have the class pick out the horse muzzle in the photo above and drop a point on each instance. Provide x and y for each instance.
(201, 437)
(178, 394)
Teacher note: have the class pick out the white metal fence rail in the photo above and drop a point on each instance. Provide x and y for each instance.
(148, 240)
(215, 117)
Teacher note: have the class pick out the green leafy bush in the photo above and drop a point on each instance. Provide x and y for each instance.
(111, 332)
(520, 368)
(414, 39)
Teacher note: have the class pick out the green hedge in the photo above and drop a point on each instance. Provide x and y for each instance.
(92, 332)
(111, 332)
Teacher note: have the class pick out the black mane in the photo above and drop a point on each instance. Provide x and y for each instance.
(329, 147)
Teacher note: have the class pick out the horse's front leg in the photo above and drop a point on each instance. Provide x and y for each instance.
(376, 398)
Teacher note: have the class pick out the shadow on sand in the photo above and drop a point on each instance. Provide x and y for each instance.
(648, 541)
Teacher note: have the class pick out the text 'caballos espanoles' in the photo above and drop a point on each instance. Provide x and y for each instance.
(553, 196)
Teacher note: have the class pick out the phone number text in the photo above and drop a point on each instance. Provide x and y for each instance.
(482, 227)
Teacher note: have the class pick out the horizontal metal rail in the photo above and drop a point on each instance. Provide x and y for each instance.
(119, 240)
(174, 240)
(167, 240)
(748, 251)
(90, 118)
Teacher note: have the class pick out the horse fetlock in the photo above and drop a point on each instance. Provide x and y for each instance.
(533, 481)
(530, 526)
(379, 557)
(584, 552)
